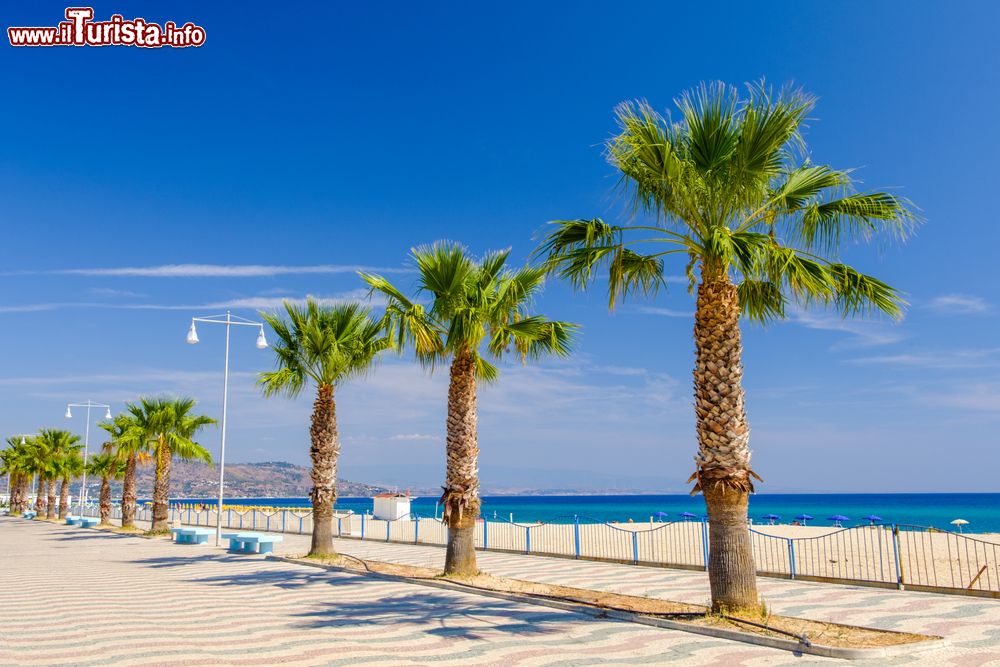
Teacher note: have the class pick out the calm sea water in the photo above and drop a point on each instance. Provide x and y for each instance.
(981, 510)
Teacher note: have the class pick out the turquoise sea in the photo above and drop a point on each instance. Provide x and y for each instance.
(981, 510)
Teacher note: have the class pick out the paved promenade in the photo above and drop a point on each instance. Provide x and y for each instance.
(82, 597)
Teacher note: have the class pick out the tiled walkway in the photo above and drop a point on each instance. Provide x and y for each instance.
(82, 597)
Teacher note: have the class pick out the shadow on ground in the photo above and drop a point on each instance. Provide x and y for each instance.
(439, 614)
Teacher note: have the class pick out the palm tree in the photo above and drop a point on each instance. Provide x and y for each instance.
(477, 306)
(168, 427)
(726, 187)
(106, 465)
(69, 465)
(49, 446)
(130, 446)
(324, 347)
(36, 464)
(15, 462)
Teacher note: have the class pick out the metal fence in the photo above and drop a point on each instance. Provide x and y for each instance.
(883, 555)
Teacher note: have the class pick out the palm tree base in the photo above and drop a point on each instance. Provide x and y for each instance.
(731, 572)
(460, 559)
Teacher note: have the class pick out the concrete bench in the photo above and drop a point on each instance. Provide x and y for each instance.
(30, 514)
(191, 535)
(72, 520)
(251, 543)
(89, 522)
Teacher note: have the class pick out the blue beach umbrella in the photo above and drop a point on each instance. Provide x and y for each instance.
(661, 515)
(872, 519)
(771, 518)
(837, 518)
(803, 518)
(688, 515)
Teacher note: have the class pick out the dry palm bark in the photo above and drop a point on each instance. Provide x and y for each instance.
(723, 472)
(18, 483)
(461, 491)
(50, 502)
(40, 497)
(324, 452)
(105, 501)
(63, 498)
(128, 491)
(161, 489)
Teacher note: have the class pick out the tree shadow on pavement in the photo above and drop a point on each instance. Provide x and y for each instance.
(440, 614)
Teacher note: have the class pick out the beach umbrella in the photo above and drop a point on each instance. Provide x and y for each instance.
(803, 518)
(771, 518)
(871, 518)
(960, 523)
(688, 515)
(837, 518)
(661, 515)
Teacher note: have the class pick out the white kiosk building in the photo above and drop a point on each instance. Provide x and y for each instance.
(391, 506)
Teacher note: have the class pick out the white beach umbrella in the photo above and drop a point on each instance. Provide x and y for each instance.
(960, 523)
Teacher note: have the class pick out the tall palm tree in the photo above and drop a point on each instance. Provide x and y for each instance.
(15, 462)
(324, 347)
(69, 465)
(107, 465)
(168, 427)
(49, 445)
(478, 308)
(130, 445)
(727, 188)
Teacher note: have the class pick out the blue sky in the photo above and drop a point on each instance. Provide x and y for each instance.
(307, 141)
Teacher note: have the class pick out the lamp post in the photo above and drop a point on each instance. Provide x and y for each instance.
(192, 338)
(86, 441)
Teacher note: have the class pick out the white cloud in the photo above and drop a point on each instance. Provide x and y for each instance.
(665, 312)
(946, 359)
(864, 333)
(959, 304)
(259, 302)
(415, 436)
(224, 271)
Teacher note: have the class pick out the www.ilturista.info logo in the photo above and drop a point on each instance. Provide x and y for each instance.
(79, 29)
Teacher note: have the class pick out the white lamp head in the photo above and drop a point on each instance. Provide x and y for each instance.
(261, 341)
(107, 414)
(69, 413)
(22, 440)
(192, 337)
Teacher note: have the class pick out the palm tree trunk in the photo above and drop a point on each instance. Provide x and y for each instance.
(105, 501)
(461, 491)
(161, 489)
(324, 453)
(50, 493)
(17, 494)
(40, 496)
(128, 492)
(723, 461)
(63, 497)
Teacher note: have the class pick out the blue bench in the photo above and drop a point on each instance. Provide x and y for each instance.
(191, 535)
(251, 543)
(89, 522)
(72, 520)
(30, 514)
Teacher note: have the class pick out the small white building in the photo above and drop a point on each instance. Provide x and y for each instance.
(391, 506)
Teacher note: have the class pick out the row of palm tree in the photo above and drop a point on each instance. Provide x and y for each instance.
(728, 188)
(153, 429)
(53, 457)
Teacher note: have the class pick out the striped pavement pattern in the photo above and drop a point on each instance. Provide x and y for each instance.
(81, 597)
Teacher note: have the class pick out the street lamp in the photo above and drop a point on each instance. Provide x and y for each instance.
(192, 339)
(86, 442)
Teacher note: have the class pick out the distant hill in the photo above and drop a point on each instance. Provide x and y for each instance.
(243, 480)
